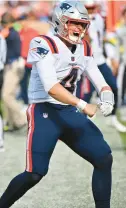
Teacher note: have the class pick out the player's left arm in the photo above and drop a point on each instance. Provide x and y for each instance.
(105, 93)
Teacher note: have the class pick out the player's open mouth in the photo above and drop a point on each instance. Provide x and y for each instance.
(76, 34)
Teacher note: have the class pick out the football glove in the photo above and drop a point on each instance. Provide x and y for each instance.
(106, 108)
(106, 102)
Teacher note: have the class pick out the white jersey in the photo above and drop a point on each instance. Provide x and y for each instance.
(96, 33)
(53, 62)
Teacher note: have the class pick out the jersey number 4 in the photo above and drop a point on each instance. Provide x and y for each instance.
(69, 81)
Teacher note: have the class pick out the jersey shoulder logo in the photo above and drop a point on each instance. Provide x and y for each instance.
(42, 51)
(64, 7)
(45, 115)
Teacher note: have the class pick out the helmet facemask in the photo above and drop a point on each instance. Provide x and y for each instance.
(74, 34)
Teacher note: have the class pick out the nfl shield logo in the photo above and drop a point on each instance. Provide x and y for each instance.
(72, 58)
(45, 115)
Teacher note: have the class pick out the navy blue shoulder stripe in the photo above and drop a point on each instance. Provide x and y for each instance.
(51, 43)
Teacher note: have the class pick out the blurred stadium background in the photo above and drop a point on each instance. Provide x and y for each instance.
(30, 18)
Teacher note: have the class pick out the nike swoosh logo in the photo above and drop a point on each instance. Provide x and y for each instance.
(38, 41)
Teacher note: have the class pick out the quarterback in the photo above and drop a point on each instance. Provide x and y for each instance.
(55, 112)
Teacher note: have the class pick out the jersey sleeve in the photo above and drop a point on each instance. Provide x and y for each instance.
(38, 50)
(41, 57)
(47, 72)
(94, 74)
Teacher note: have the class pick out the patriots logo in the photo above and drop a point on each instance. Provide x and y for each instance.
(41, 51)
(64, 7)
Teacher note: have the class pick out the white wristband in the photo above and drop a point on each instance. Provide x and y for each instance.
(81, 105)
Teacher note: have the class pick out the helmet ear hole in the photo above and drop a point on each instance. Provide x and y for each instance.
(56, 29)
(57, 23)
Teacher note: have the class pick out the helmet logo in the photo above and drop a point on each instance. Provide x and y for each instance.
(64, 7)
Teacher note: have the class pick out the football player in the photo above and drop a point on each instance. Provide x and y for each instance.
(96, 37)
(55, 112)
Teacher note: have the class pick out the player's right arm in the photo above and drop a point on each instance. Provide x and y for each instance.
(61, 94)
(40, 55)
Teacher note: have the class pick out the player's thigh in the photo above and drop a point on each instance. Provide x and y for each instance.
(86, 140)
(43, 134)
(109, 77)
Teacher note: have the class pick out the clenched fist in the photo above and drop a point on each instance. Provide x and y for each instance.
(90, 109)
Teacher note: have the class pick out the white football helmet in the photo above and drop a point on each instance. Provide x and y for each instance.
(70, 12)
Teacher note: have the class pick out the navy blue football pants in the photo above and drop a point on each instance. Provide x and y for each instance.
(46, 124)
(50, 122)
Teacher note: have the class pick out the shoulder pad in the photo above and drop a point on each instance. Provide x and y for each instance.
(46, 42)
(51, 43)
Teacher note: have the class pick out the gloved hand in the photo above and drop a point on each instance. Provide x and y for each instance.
(106, 101)
(106, 108)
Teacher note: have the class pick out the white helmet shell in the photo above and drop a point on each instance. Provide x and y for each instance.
(69, 11)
